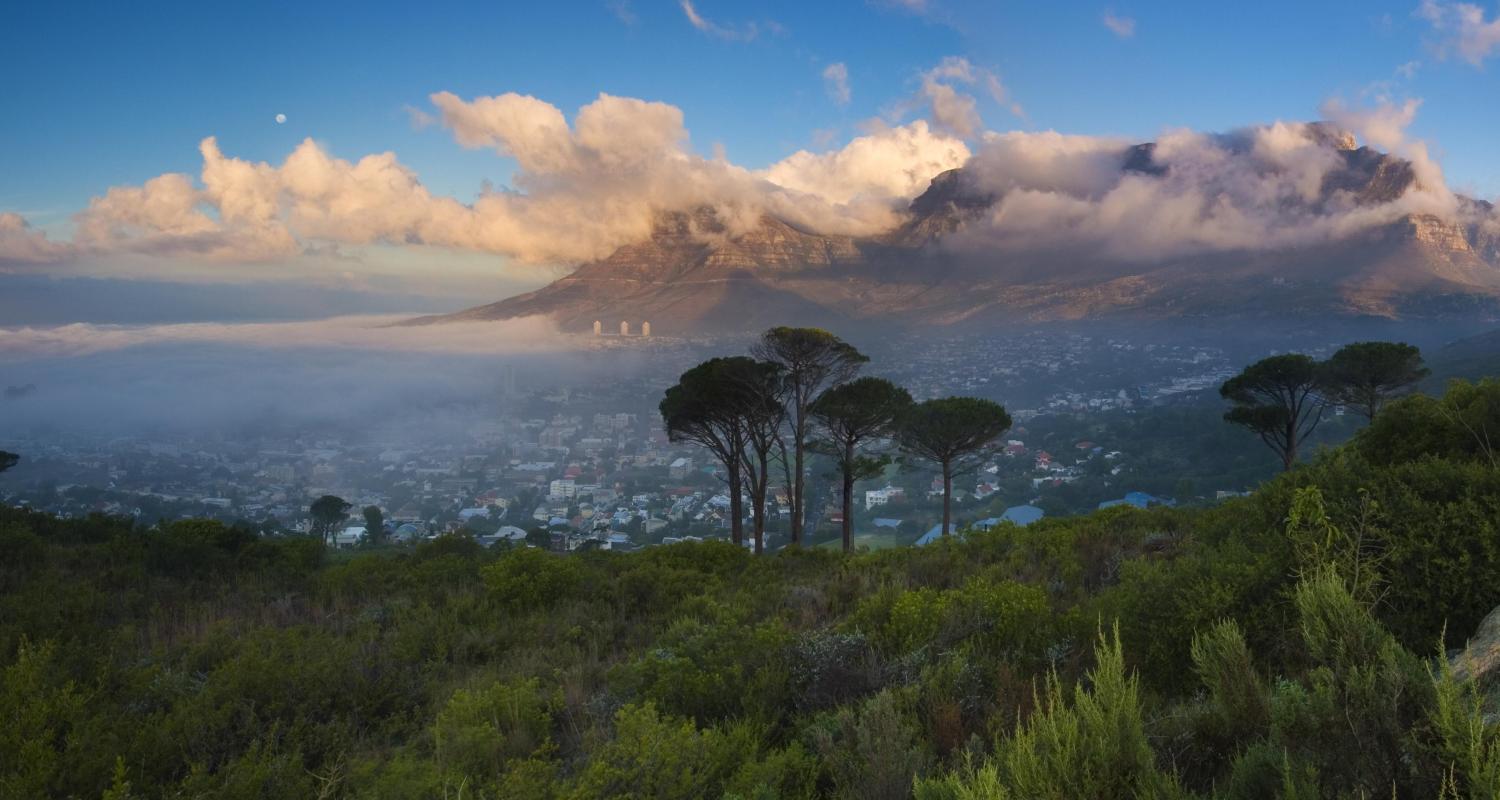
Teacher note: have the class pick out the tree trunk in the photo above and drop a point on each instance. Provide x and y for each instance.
(760, 503)
(947, 496)
(736, 508)
(1289, 456)
(797, 498)
(849, 498)
(786, 467)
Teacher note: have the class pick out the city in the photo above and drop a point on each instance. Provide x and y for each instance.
(590, 465)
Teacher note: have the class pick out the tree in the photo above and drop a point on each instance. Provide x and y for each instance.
(811, 360)
(375, 524)
(757, 393)
(1278, 399)
(1364, 375)
(328, 512)
(8, 460)
(702, 408)
(950, 431)
(849, 415)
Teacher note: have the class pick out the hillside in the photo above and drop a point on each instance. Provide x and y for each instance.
(1177, 651)
(944, 264)
(1471, 358)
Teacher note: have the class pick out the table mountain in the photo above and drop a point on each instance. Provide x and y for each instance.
(695, 274)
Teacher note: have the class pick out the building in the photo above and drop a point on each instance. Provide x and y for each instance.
(879, 497)
(1139, 500)
(680, 468)
(350, 536)
(563, 488)
(936, 533)
(1018, 515)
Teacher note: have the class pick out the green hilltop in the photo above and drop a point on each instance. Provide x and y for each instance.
(1292, 643)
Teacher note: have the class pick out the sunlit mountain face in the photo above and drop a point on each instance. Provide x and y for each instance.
(1277, 221)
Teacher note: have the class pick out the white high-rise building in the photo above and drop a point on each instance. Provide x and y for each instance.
(624, 328)
(598, 328)
(645, 328)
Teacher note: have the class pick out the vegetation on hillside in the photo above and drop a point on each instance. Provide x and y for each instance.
(1286, 644)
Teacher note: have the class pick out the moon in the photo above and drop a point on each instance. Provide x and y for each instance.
(280, 119)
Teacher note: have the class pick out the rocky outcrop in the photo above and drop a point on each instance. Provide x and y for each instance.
(1481, 657)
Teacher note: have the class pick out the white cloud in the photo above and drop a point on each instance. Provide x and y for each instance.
(1383, 126)
(1123, 27)
(22, 244)
(581, 190)
(588, 185)
(739, 33)
(1256, 189)
(623, 12)
(1463, 28)
(954, 110)
(892, 163)
(836, 83)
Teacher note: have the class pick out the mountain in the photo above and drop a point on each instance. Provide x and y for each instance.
(695, 274)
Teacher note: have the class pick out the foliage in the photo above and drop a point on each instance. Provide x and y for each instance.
(1278, 399)
(948, 431)
(374, 523)
(849, 414)
(1463, 424)
(328, 512)
(1264, 647)
(1365, 375)
(809, 360)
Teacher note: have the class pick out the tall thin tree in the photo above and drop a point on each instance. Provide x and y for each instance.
(757, 386)
(702, 408)
(950, 432)
(811, 360)
(849, 415)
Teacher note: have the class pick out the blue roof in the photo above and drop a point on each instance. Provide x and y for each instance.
(933, 535)
(1019, 515)
(1139, 500)
(887, 522)
(1023, 515)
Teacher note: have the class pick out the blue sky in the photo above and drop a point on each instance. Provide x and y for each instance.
(104, 95)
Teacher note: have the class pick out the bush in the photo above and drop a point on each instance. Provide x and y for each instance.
(527, 578)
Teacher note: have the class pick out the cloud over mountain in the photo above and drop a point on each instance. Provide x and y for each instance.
(584, 187)
(1263, 188)
(580, 190)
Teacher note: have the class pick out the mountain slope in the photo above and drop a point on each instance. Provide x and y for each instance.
(695, 273)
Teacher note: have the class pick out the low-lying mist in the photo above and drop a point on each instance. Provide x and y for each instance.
(344, 374)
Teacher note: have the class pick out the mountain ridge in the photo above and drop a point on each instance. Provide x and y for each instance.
(694, 273)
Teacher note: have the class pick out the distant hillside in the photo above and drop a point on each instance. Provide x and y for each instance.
(697, 273)
(1469, 358)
